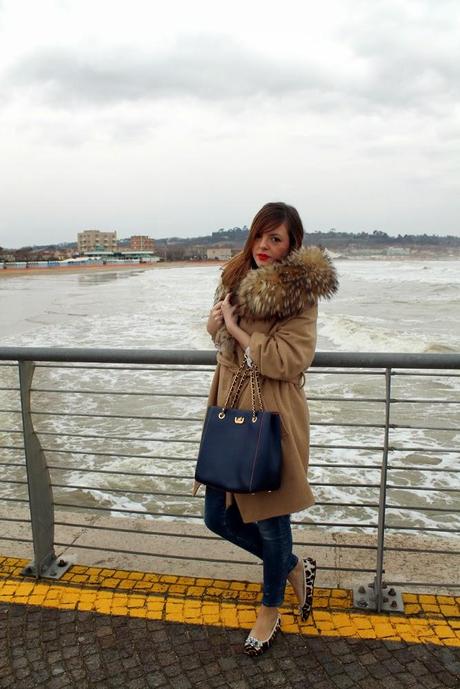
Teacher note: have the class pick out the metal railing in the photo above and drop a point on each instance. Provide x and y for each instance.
(40, 470)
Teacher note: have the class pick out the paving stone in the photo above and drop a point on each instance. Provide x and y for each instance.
(55, 649)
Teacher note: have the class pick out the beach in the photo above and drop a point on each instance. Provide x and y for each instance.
(58, 270)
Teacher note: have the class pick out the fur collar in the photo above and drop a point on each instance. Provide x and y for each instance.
(281, 290)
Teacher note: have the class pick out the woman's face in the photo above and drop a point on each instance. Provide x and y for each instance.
(271, 246)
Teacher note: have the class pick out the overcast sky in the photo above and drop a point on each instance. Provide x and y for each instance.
(178, 117)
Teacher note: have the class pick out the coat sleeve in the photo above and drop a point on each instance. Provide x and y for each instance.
(289, 349)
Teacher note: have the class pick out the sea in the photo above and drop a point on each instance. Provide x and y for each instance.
(104, 430)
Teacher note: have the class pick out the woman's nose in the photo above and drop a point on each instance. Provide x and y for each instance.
(263, 242)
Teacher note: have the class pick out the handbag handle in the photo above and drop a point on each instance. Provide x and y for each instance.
(237, 382)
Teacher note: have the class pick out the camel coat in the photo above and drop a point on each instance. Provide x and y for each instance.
(281, 350)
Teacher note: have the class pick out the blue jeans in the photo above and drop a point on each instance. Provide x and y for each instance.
(268, 539)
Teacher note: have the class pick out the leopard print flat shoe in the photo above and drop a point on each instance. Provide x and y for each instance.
(310, 573)
(254, 647)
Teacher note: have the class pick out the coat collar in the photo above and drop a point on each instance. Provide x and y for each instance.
(283, 289)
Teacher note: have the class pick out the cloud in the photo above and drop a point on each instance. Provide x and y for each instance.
(412, 51)
(209, 68)
(393, 63)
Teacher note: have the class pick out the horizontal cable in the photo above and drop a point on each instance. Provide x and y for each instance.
(321, 398)
(393, 468)
(120, 416)
(11, 447)
(347, 424)
(9, 430)
(128, 368)
(144, 513)
(421, 373)
(10, 389)
(16, 481)
(419, 528)
(117, 454)
(16, 520)
(125, 491)
(346, 447)
(423, 550)
(13, 464)
(395, 400)
(421, 508)
(15, 499)
(425, 488)
(10, 411)
(16, 539)
(425, 583)
(375, 467)
(348, 524)
(110, 392)
(343, 372)
(396, 426)
(394, 448)
(118, 437)
(118, 473)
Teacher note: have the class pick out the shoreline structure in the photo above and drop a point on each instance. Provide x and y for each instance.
(59, 270)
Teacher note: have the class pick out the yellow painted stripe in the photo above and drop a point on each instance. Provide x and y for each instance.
(223, 603)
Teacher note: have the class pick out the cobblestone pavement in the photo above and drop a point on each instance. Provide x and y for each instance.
(49, 648)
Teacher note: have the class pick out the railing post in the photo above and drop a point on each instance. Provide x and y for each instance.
(39, 486)
(378, 581)
(376, 595)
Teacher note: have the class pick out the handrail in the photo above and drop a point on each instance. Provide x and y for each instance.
(207, 357)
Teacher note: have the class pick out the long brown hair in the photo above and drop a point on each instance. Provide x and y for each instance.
(269, 217)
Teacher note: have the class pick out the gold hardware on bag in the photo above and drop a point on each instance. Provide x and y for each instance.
(239, 419)
(221, 415)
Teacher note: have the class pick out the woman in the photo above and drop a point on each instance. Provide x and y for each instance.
(265, 311)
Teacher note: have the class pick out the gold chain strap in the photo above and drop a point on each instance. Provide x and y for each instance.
(239, 378)
(238, 381)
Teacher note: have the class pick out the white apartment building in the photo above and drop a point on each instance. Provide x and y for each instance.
(220, 253)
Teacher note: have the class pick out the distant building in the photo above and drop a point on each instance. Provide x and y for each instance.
(94, 240)
(219, 253)
(139, 242)
(195, 252)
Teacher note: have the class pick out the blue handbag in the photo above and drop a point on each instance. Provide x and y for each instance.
(240, 450)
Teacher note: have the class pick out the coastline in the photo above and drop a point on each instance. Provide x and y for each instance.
(61, 270)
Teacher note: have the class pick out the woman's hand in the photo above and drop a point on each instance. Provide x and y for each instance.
(216, 313)
(228, 314)
(231, 323)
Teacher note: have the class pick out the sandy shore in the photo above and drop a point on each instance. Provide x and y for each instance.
(59, 270)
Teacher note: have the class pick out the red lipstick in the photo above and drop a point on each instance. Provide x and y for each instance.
(263, 257)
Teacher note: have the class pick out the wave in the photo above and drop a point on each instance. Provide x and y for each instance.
(364, 334)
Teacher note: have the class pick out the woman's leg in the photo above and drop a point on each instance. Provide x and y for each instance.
(227, 522)
(278, 558)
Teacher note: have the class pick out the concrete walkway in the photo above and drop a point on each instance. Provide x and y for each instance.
(101, 628)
